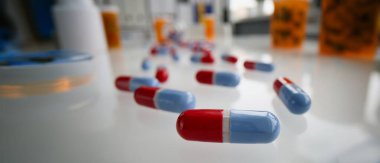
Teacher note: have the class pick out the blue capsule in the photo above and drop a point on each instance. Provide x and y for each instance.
(128, 83)
(175, 57)
(266, 67)
(248, 126)
(196, 58)
(294, 98)
(165, 99)
(163, 50)
(228, 126)
(146, 64)
(226, 79)
(200, 58)
(175, 101)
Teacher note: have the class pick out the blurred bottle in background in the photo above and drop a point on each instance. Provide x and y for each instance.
(348, 28)
(7, 33)
(204, 20)
(159, 28)
(163, 14)
(136, 21)
(183, 17)
(209, 28)
(111, 24)
(79, 26)
(378, 27)
(39, 15)
(288, 23)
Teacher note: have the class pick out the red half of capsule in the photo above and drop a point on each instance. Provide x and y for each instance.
(153, 51)
(279, 82)
(205, 76)
(145, 96)
(122, 83)
(249, 65)
(207, 59)
(162, 74)
(206, 51)
(172, 51)
(201, 125)
(231, 59)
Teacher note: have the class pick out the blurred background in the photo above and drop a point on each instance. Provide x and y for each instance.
(27, 24)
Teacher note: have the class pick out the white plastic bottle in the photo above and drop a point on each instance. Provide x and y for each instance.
(79, 26)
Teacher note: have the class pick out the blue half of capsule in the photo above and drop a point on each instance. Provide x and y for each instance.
(226, 79)
(196, 58)
(295, 99)
(264, 67)
(174, 101)
(247, 126)
(146, 64)
(224, 56)
(163, 50)
(137, 82)
(175, 57)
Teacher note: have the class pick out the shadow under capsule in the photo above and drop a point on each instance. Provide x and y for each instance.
(297, 124)
(262, 77)
(212, 96)
(340, 89)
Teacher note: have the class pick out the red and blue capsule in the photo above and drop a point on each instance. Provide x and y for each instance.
(174, 54)
(160, 49)
(146, 64)
(228, 126)
(229, 58)
(260, 66)
(201, 58)
(130, 83)
(154, 50)
(164, 99)
(227, 79)
(294, 98)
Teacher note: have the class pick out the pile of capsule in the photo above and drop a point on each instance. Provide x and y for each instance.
(212, 125)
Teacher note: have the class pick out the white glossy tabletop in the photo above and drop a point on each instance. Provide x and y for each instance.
(96, 123)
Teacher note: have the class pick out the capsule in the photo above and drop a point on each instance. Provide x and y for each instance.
(252, 65)
(198, 58)
(174, 54)
(162, 50)
(294, 98)
(228, 126)
(153, 51)
(196, 47)
(146, 64)
(164, 99)
(130, 84)
(227, 79)
(229, 58)
(175, 57)
(162, 74)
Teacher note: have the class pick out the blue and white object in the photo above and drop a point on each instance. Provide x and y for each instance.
(164, 99)
(129, 83)
(227, 79)
(146, 64)
(294, 98)
(260, 66)
(228, 126)
(49, 57)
